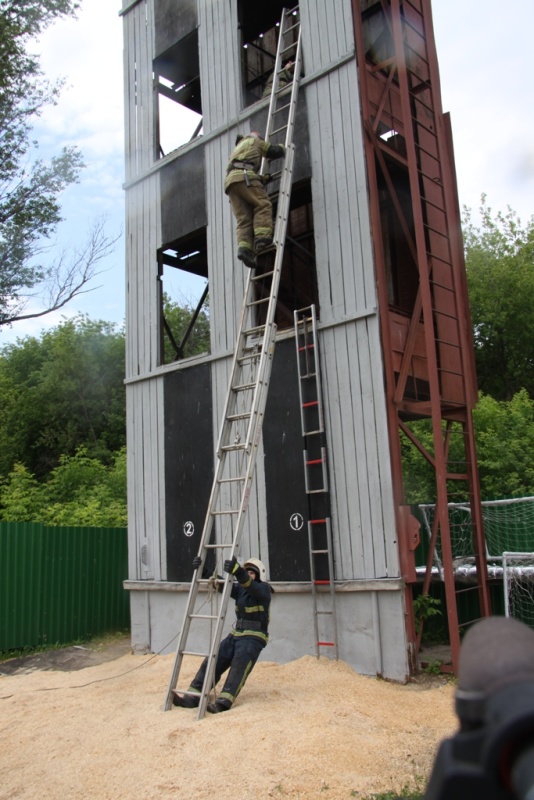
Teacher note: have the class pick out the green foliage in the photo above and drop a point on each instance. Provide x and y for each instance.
(419, 476)
(433, 668)
(424, 607)
(505, 443)
(406, 793)
(29, 187)
(504, 434)
(178, 318)
(80, 491)
(500, 272)
(61, 392)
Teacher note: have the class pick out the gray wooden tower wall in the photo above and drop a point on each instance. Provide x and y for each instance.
(370, 605)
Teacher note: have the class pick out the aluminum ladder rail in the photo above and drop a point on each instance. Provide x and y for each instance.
(283, 102)
(316, 480)
(239, 439)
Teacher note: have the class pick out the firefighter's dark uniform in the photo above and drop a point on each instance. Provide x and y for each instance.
(239, 651)
(250, 202)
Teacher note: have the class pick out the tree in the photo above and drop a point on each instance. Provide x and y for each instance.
(504, 434)
(500, 273)
(30, 187)
(178, 318)
(505, 443)
(61, 392)
(80, 491)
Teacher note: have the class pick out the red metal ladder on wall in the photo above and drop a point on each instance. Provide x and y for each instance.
(316, 482)
(406, 132)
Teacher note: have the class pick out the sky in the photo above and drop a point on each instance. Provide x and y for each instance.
(485, 58)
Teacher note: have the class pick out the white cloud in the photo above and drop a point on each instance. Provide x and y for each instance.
(485, 59)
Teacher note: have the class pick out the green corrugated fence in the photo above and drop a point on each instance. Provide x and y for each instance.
(58, 585)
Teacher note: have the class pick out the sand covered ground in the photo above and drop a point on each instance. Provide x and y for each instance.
(308, 729)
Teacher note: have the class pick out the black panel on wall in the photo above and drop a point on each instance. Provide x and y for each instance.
(302, 165)
(183, 200)
(287, 502)
(188, 464)
(173, 21)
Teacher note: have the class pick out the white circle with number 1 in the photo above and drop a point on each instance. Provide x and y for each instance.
(296, 521)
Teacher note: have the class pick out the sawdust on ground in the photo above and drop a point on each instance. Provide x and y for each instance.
(308, 729)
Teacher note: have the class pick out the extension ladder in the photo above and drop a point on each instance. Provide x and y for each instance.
(316, 480)
(246, 397)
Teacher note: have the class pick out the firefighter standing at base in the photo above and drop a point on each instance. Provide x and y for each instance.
(250, 202)
(239, 651)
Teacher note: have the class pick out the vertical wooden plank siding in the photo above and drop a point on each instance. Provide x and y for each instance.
(219, 62)
(343, 240)
(146, 517)
(327, 32)
(361, 493)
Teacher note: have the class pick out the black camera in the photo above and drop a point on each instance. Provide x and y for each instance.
(491, 757)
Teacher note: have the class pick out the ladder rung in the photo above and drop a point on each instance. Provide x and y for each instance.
(243, 387)
(288, 30)
(203, 616)
(326, 644)
(194, 653)
(279, 111)
(317, 491)
(307, 347)
(236, 417)
(313, 461)
(310, 403)
(228, 511)
(318, 521)
(319, 552)
(310, 433)
(250, 331)
(278, 130)
(230, 448)
(217, 546)
(232, 480)
(258, 302)
(263, 275)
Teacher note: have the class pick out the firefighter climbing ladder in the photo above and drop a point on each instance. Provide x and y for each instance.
(245, 399)
(316, 481)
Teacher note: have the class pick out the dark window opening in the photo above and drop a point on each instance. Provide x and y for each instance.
(184, 300)
(259, 24)
(401, 270)
(298, 280)
(177, 83)
(377, 35)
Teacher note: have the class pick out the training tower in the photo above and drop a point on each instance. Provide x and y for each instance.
(373, 267)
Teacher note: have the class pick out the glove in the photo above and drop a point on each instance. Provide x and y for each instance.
(231, 565)
(196, 562)
(265, 179)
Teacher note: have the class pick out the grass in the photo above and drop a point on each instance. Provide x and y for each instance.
(93, 643)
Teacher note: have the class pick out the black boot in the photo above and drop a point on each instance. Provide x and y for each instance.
(185, 700)
(246, 255)
(218, 706)
(260, 245)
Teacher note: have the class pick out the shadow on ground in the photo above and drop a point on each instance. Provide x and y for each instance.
(67, 659)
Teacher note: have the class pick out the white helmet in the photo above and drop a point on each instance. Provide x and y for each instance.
(258, 566)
